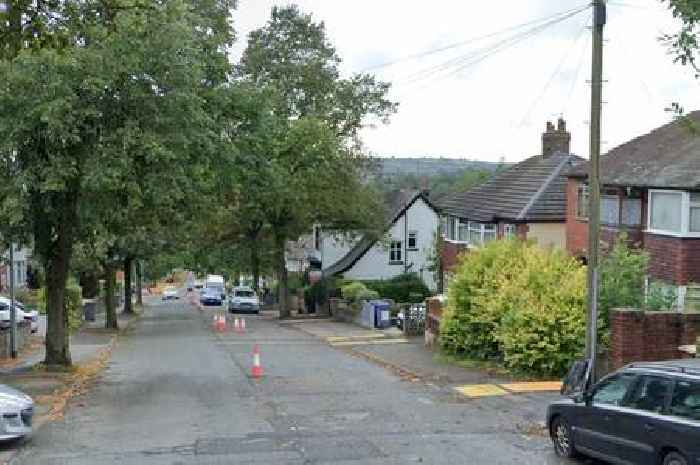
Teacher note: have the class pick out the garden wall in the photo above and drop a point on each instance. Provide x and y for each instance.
(432, 321)
(638, 336)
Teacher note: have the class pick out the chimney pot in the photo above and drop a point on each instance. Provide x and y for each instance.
(558, 140)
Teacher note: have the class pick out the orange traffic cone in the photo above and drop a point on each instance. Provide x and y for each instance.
(236, 325)
(221, 326)
(257, 370)
(241, 325)
(215, 323)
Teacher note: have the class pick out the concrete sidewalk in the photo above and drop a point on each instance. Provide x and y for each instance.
(85, 344)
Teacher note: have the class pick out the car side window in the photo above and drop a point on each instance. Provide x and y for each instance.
(649, 394)
(613, 390)
(685, 402)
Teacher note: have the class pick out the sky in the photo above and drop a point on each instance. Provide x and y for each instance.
(490, 97)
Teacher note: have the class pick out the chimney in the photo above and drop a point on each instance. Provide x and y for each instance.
(556, 139)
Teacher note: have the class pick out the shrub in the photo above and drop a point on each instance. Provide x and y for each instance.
(406, 288)
(356, 291)
(73, 303)
(520, 303)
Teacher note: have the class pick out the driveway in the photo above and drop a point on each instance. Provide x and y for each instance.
(177, 392)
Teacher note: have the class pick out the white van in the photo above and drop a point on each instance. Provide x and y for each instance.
(215, 281)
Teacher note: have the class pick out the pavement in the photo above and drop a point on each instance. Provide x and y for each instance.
(178, 392)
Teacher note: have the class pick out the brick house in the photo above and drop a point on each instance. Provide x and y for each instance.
(651, 191)
(527, 201)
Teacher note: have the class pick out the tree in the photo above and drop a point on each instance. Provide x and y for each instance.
(132, 83)
(308, 155)
(684, 44)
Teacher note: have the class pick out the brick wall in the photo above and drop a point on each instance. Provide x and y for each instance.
(576, 230)
(650, 336)
(450, 252)
(432, 321)
(673, 259)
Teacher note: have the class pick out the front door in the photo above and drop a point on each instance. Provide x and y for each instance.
(595, 425)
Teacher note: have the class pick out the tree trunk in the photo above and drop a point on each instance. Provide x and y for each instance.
(139, 283)
(255, 263)
(128, 265)
(110, 309)
(282, 286)
(53, 234)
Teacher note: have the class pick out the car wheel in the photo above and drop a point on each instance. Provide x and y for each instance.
(674, 458)
(562, 438)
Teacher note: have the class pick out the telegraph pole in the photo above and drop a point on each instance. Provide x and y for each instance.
(599, 20)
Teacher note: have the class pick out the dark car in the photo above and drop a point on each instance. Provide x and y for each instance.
(210, 296)
(643, 414)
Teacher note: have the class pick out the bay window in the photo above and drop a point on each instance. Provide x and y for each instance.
(675, 213)
(463, 231)
(694, 221)
(582, 202)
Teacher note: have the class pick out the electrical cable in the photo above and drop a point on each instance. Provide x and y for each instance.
(468, 41)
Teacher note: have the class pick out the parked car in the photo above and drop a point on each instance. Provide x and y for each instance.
(199, 284)
(17, 410)
(170, 293)
(210, 296)
(243, 299)
(30, 316)
(643, 414)
(215, 281)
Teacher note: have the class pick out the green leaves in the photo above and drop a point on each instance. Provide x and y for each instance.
(517, 302)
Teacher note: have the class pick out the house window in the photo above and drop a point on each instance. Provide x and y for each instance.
(317, 238)
(631, 212)
(413, 240)
(582, 202)
(443, 227)
(694, 221)
(509, 231)
(489, 233)
(395, 252)
(666, 211)
(610, 210)
(463, 231)
(475, 233)
(451, 223)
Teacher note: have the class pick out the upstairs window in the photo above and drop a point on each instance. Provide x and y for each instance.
(674, 213)
(582, 202)
(463, 231)
(694, 221)
(395, 252)
(413, 240)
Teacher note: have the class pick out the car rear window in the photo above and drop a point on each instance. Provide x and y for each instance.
(685, 402)
(245, 294)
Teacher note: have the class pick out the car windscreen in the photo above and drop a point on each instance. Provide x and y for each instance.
(245, 294)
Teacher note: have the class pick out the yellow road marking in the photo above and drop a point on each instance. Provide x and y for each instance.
(369, 342)
(359, 337)
(535, 386)
(481, 390)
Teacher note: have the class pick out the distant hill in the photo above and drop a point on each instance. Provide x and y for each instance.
(391, 167)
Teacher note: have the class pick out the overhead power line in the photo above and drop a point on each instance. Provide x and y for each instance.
(460, 63)
(555, 73)
(472, 40)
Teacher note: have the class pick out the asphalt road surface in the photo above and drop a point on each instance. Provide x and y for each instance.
(178, 393)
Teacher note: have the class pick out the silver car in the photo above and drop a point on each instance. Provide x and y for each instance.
(16, 412)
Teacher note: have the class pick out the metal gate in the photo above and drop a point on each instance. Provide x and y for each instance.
(414, 320)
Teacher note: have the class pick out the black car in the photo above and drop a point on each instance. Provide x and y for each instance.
(643, 414)
(210, 296)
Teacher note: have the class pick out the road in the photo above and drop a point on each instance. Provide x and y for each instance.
(178, 393)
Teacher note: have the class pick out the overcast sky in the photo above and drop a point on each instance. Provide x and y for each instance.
(469, 102)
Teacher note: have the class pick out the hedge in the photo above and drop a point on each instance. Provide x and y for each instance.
(519, 303)
(405, 288)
